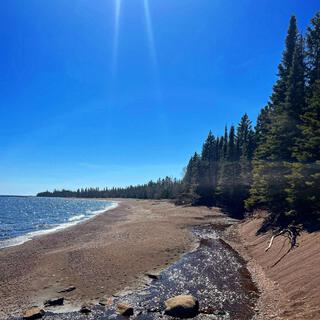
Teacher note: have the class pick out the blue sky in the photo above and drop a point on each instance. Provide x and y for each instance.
(81, 107)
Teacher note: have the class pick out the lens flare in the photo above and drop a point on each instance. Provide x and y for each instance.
(117, 16)
(150, 34)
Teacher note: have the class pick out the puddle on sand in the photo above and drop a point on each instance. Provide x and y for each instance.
(214, 273)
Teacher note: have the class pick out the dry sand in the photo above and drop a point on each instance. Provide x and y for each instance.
(289, 281)
(99, 257)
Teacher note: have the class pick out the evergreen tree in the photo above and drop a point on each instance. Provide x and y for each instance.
(278, 133)
(229, 182)
(280, 88)
(313, 50)
(304, 179)
(210, 157)
(246, 147)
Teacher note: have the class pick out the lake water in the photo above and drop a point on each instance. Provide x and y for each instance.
(22, 218)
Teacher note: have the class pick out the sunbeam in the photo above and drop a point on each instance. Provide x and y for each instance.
(150, 34)
(117, 16)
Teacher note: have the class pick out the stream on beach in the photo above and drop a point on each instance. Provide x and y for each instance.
(214, 273)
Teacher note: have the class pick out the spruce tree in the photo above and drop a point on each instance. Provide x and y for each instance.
(208, 157)
(313, 50)
(304, 180)
(246, 146)
(229, 181)
(277, 137)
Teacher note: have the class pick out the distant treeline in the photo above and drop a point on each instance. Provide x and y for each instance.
(167, 188)
(274, 166)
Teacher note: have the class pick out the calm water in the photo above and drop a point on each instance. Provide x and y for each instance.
(21, 218)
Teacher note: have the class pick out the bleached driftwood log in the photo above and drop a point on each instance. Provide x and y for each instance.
(292, 232)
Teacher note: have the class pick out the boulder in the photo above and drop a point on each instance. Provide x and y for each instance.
(33, 313)
(54, 302)
(85, 309)
(184, 306)
(124, 310)
(153, 275)
(69, 289)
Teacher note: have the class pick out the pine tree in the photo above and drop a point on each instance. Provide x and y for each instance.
(229, 180)
(280, 88)
(246, 146)
(304, 180)
(313, 50)
(208, 157)
(278, 133)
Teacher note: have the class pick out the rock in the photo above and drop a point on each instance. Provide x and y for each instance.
(124, 310)
(69, 289)
(85, 309)
(154, 276)
(184, 306)
(33, 313)
(106, 301)
(54, 302)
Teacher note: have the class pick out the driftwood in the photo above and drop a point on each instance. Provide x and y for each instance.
(292, 233)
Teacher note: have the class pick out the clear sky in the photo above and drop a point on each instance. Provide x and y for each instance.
(112, 93)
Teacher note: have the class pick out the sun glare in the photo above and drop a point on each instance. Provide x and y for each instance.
(117, 16)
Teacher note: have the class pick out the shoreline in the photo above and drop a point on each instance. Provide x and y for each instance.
(108, 257)
(100, 256)
(19, 240)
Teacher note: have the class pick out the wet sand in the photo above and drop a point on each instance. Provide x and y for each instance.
(100, 256)
(213, 273)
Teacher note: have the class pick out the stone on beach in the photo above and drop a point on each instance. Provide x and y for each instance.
(69, 289)
(183, 306)
(85, 309)
(124, 310)
(33, 313)
(54, 302)
(153, 275)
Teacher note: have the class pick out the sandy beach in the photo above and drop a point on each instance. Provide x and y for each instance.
(113, 251)
(99, 257)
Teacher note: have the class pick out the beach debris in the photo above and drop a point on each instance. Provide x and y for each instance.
(69, 289)
(124, 310)
(54, 302)
(183, 306)
(85, 309)
(33, 313)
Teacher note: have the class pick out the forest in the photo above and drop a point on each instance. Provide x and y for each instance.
(273, 166)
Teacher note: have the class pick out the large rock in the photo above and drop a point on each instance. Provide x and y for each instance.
(184, 306)
(33, 313)
(124, 310)
(54, 302)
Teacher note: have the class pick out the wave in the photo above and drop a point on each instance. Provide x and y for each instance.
(71, 222)
(77, 218)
